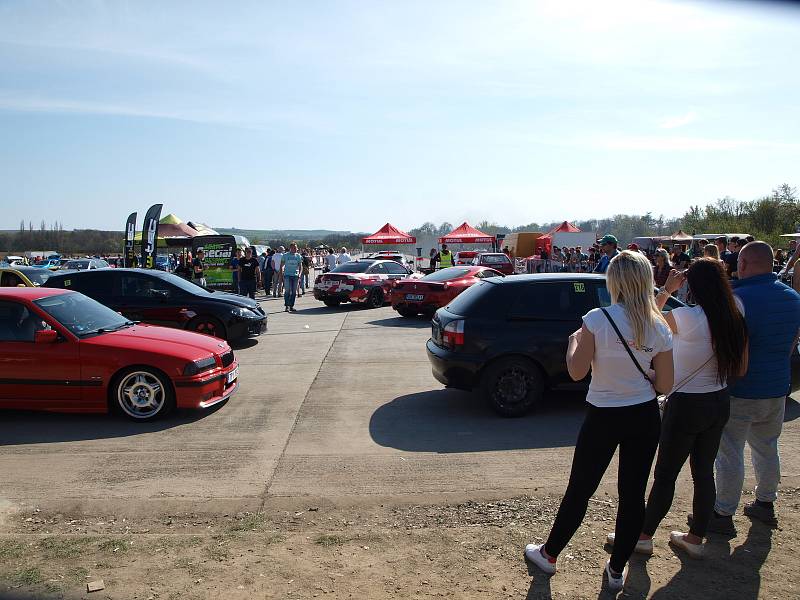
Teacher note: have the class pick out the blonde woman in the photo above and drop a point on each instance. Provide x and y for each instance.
(711, 251)
(623, 411)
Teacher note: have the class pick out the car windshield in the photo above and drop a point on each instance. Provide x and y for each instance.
(82, 315)
(494, 259)
(77, 264)
(352, 267)
(446, 274)
(37, 276)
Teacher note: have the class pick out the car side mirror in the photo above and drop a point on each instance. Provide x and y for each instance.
(45, 336)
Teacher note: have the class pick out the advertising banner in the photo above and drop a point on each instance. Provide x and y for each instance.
(150, 236)
(218, 251)
(130, 233)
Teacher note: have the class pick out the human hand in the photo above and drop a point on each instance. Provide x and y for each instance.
(674, 281)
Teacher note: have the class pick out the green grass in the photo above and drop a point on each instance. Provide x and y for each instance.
(9, 549)
(63, 547)
(250, 522)
(114, 545)
(330, 540)
(27, 576)
(76, 574)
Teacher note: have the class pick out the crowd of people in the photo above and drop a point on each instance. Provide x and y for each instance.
(719, 370)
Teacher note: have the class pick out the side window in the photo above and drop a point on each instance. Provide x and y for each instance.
(94, 285)
(9, 279)
(136, 286)
(377, 269)
(556, 301)
(603, 298)
(395, 269)
(17, 323)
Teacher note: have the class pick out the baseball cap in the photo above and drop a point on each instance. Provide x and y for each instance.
(607, 239)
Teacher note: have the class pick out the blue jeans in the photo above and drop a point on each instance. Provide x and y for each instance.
(289, 290)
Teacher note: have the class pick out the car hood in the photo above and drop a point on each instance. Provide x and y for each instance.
(234, 299)
(162, 340)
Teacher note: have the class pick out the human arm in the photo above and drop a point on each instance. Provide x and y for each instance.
(674, 282)
(580, 351)
(664, 368)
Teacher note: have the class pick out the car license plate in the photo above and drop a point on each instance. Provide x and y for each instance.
(415, 297)
(233, 375)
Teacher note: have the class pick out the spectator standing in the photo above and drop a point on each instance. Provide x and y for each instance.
(268, 271)
(277, 269)
(780, 260)
(343, 257)
(732, 257)
(330, 261)
(292, 264)
(445, 258)
(199, 269)
(772, 313)
(680, 259)
(662, 267)
(237, 258)
(712, 251)
(623, 411)
(432, 254)
(249, 274)
(307, 266)
(608, 246)
(710, 347)
(722, 247)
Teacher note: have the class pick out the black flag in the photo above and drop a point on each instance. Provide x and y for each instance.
(150, 236)
(130, 233)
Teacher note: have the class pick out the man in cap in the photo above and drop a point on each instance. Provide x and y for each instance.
(608, 246)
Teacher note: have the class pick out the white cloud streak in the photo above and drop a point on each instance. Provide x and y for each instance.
(679, 121)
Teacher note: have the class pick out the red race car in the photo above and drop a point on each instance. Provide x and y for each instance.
(494, 260)
(63, 351)
(413, 296)
(364, 281)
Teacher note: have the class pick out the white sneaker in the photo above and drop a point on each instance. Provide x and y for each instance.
(533, 552)
(642, 546)
(678, 538)
(615, 584)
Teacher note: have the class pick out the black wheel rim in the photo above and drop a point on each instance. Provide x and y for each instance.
(511, 387)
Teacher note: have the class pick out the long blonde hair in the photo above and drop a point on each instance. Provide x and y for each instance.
(630, 283)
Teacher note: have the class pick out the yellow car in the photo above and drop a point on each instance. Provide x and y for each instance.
(23, 276)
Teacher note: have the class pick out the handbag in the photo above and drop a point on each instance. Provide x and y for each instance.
(662, 399)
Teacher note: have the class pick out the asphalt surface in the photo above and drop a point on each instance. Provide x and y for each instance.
(334, 404)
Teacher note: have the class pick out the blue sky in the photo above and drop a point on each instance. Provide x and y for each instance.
(345, 115)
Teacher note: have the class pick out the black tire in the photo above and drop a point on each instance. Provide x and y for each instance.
(141, 394)
(208, 325)
(375, 298)
(331, 303)
(406, 312)
(512, 386)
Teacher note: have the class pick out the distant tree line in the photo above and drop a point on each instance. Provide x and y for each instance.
(765, 218)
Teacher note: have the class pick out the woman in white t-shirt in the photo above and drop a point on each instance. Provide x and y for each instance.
(710, 348)
(623, 411)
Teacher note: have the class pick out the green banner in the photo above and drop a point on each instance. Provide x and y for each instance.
(218, 251)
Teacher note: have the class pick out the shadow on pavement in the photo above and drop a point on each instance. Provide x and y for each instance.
(32, 427)
(792, 410)
(243, 344)
(455, 421)
(402, 322)
(329, 310)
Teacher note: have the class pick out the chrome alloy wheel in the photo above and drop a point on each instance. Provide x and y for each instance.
(141, 394)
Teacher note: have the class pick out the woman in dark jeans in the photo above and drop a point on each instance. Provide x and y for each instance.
(710, 347)
(623, 412)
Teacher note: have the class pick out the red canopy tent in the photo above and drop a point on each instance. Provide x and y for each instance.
(546, 241)
(466, 234)
(389, 234)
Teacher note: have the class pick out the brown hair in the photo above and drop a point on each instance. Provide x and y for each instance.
(712, 292)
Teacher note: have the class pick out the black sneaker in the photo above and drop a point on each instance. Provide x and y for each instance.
(762, 512)
(720, 524)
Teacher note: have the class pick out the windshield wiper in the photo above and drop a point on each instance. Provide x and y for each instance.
(100, 330)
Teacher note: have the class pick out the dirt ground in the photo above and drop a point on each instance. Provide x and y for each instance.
(471, 549)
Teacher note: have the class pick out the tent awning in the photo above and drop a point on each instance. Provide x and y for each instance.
(389, 234)
(466, 234)
(680, 236)
(565, 227)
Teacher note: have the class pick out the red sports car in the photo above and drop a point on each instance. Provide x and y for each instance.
(413, 296)
(63, 351)
(364, 281)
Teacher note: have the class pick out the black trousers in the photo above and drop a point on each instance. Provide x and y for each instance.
(635, 430)
(692, 428)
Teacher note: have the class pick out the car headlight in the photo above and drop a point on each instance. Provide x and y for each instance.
(239, 311)
(198, 366)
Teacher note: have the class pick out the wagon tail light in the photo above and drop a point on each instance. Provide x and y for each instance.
(198, 366)
(453, 334)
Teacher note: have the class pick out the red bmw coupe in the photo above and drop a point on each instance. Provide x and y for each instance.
(413, 296)
(63, 351)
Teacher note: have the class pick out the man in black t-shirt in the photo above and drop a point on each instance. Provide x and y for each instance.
(249, 274)
(199, 269)
(732, 258)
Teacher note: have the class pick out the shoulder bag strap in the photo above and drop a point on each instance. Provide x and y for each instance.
(627, 348)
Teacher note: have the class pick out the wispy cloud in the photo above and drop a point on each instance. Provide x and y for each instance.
(683, 144)
(679, 121)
